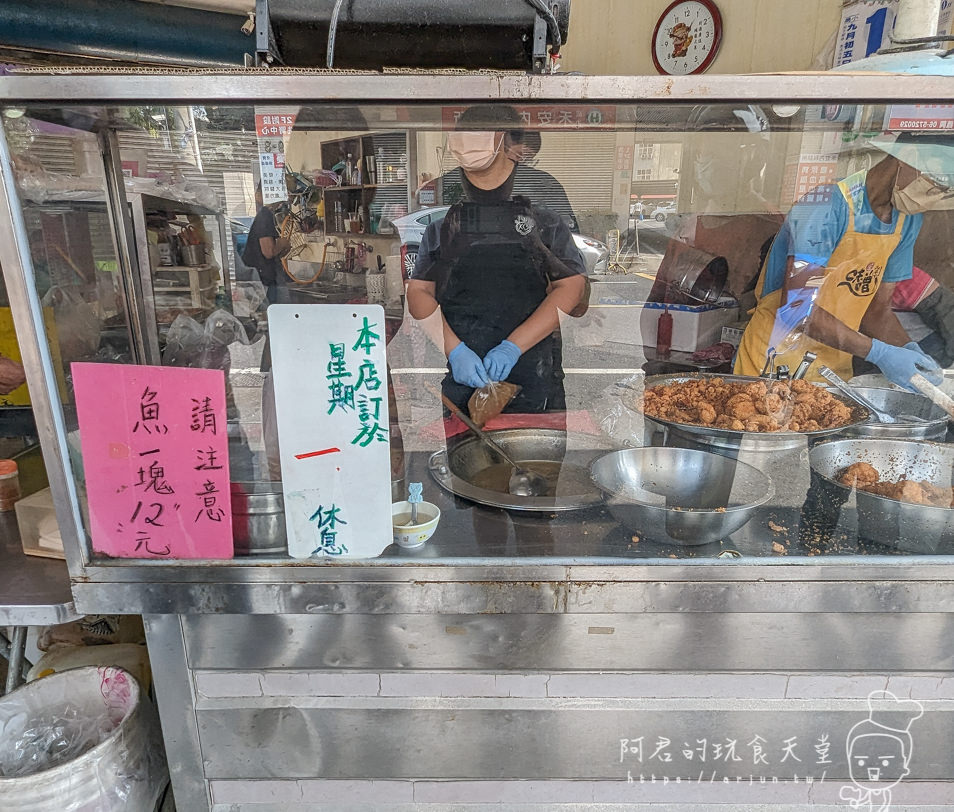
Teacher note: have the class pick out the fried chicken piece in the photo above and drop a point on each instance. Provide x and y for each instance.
(771, 404)
(761, 422)
(707, 413)
(859, 475)
(740, 406)
(836, 414)
(915, 492)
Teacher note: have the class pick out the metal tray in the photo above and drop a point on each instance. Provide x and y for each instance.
(452, 469)
(728, 438)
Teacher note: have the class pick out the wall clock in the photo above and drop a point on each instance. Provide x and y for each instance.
(687, 36)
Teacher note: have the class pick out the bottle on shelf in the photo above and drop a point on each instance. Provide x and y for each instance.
(664, 334)
(349, 171)
(379, 165)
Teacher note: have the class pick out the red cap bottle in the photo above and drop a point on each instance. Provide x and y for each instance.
(664, 334)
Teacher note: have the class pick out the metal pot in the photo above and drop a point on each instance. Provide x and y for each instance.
(466, 457)
(258, 518)
(896, 403)
(679, 495)
(915, 528)
(192, 254)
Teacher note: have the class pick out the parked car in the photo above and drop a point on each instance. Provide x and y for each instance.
(411, 227)
(663, 210)
(240, 227)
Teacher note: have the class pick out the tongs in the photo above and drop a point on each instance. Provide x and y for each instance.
(842, 385)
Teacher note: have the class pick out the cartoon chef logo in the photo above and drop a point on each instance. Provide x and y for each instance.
(681, 39)
(523, 224)
(879, 751)
(863, 281)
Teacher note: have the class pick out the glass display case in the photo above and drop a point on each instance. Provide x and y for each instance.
(629, 324)
(661, 267)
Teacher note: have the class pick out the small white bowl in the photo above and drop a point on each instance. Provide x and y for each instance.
(415, 535)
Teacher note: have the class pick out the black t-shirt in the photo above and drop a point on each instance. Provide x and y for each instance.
(269, 270)
(553, 229)
(541, 187)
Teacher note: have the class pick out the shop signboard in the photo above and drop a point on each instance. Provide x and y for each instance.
(331, 400)
(549, 116)
(272, 126)
(155, 460)
(920, 117)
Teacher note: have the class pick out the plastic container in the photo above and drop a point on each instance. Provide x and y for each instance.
(39, 530)
(9, 484)
(376, 286)
(110, 759)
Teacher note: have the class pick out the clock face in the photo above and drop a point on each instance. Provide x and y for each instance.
(687, 37)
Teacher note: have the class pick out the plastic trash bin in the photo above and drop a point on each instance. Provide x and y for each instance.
(82, 740)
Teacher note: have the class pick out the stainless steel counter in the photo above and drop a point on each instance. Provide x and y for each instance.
(33, 591)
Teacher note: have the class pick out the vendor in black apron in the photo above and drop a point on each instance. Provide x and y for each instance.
(501, 270)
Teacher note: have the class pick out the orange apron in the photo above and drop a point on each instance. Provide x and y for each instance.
(845, 288)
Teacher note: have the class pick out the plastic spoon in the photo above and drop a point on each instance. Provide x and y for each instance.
(414, 498)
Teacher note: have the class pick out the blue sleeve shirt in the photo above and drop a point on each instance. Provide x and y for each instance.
(817, 222)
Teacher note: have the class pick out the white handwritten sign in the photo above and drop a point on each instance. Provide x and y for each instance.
(155, 456)
(331, 400)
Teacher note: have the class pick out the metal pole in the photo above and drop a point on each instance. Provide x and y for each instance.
(20, 278)
(145, 334)
(17, 650)
(916, 18)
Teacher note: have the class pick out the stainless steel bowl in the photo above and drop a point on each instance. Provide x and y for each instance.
(680, 495)
(895, 402)
(915, 528)
(258, 518)
(749, 440)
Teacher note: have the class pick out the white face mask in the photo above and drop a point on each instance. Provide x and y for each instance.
(920, 195)
(473, 150)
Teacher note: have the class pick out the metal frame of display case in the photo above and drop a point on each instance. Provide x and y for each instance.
(253, 618)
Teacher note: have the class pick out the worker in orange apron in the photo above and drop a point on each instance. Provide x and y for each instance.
(826, 284)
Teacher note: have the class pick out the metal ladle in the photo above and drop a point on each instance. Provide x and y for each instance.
(523, 482)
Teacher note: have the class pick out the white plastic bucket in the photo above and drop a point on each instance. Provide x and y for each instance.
(125, 772)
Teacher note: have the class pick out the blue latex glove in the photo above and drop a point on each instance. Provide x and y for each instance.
(500, 360)
(899, 364)
(466, 367)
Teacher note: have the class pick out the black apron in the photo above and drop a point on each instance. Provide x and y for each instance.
(493, 287)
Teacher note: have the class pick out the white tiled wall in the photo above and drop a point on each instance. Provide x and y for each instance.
(221, 688)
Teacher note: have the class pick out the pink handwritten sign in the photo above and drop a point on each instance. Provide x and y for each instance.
(155, 455)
